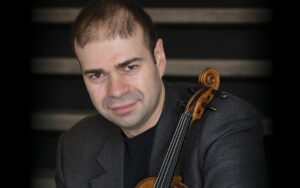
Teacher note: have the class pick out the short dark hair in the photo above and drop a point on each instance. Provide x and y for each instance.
(118, 18)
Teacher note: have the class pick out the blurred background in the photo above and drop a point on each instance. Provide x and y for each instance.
(233, 36)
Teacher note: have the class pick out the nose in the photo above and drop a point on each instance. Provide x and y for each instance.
(117, 86)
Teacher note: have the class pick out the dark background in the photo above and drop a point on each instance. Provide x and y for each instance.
(50, 92)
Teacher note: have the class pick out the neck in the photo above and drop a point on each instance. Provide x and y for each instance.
(151, 121)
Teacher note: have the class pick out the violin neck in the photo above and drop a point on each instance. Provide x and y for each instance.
(167, 169)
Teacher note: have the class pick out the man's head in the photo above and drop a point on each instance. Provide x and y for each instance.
(112, 18)
(119, 69)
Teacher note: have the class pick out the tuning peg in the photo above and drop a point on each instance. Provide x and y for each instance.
(224, 94)
(212, 108)
(209, 107)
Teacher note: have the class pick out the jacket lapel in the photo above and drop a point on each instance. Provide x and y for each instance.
(111, 158)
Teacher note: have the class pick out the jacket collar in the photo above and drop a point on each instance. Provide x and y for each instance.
(111, 159)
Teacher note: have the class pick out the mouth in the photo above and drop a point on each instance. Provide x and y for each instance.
(123, 109)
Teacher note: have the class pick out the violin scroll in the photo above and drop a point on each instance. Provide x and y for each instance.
(209, 80)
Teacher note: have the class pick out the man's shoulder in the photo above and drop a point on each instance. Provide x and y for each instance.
(91, 126)
(230, 105)
(223, 100)
(229, 109)
(232, 114)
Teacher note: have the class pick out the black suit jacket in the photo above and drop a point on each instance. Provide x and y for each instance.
(224, 148)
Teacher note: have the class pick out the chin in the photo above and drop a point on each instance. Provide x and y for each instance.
(129, 120)
(126, 125)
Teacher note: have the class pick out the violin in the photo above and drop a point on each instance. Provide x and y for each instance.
(209, 80)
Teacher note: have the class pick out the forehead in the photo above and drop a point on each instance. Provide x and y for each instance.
(100, 31)
(103, 34)
(112, 50)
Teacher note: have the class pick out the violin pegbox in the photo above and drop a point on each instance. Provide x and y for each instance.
(209, 79)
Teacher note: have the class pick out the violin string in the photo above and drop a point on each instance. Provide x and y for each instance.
(162, 170)
(163, 173)
(174, 153)
(168, 175)
(171, 152)
(159, 177)
(177, 131)
(176, 150)
(190, 110)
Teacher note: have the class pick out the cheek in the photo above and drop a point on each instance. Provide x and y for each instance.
(96, 95)
(147, 82)
(144, 80)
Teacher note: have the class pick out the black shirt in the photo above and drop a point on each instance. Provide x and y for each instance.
(137, 158)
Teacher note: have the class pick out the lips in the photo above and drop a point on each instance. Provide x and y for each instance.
(123, 109)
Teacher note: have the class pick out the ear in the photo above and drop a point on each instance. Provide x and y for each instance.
(160, 57)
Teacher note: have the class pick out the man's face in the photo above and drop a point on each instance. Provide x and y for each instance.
(123, 81)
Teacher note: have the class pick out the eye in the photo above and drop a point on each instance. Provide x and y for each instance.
(130, 68)
(96, 75)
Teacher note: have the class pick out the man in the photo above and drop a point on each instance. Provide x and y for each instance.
(122, 65)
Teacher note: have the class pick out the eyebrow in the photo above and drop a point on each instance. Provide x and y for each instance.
(119, 65)
(127, 62)
(93, 71)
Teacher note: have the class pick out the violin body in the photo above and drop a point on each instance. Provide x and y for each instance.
(150, 182)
